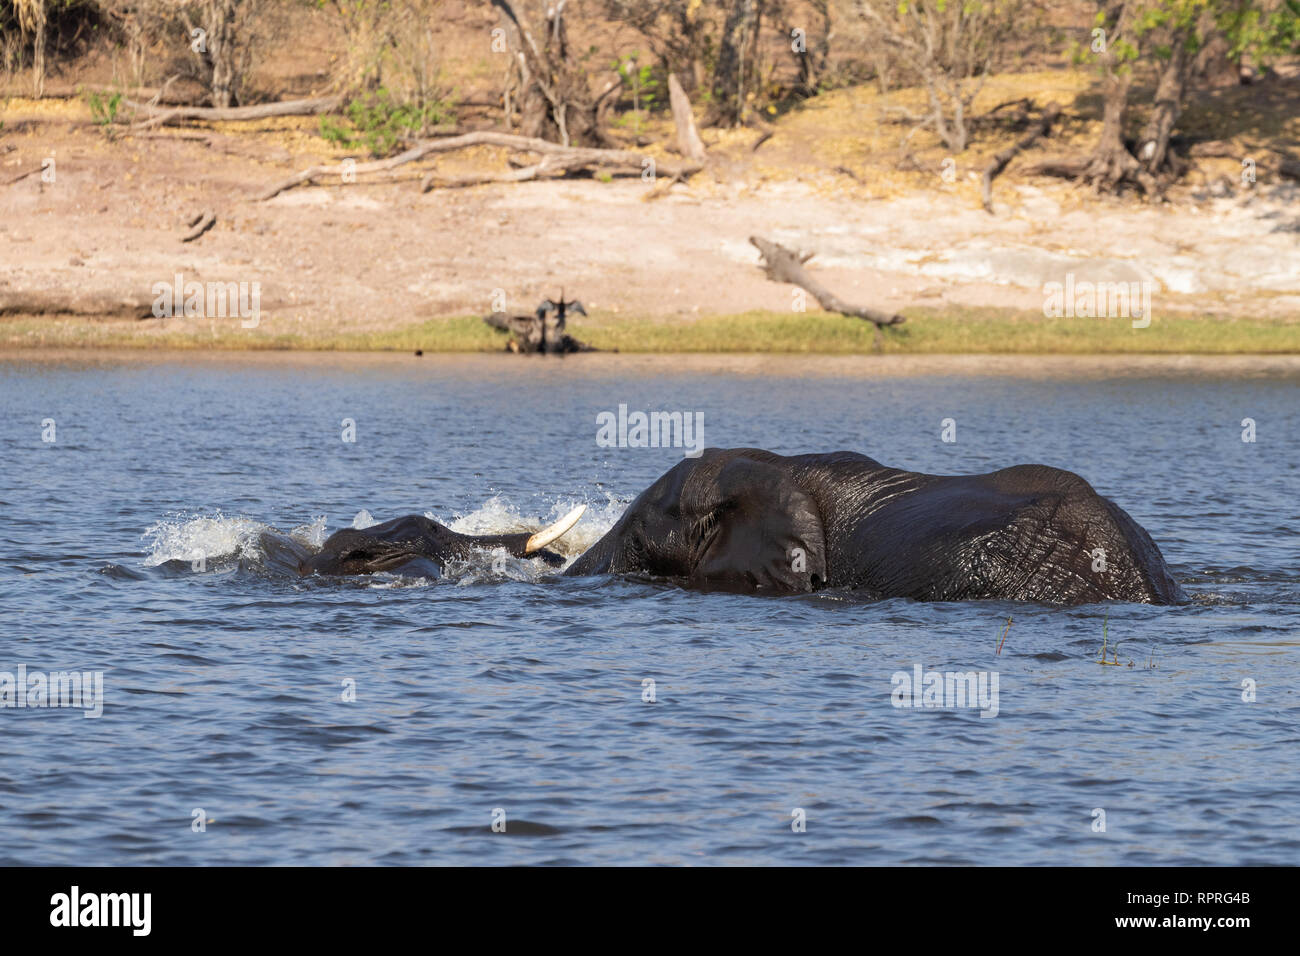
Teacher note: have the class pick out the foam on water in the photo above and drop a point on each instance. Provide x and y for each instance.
(194, 537)
(190, 537)
(498, 515)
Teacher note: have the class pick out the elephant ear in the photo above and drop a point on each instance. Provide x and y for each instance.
(757, 529)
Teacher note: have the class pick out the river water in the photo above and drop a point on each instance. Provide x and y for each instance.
(250, 717)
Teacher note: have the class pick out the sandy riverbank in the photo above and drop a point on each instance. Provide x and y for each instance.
(609, 365)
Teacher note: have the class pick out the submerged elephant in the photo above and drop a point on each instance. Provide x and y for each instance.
(413, 545)
(750, 520)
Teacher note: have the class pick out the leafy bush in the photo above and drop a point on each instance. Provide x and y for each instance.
(379, 122)
(103, 109)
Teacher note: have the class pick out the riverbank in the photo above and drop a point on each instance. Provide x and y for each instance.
(661, 266)
(491, 367)
(926, 332)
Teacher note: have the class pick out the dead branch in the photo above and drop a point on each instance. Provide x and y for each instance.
(199, 225)
(1060, 167)
(520, 175)
(557, 158)
(1002, 159)
(784, 265)
(205, 138)
(21, 176)
(161, 116)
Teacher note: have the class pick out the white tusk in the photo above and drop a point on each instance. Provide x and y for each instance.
(551, 533)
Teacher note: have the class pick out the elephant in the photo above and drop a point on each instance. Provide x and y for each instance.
(413, 545)
(744, 519)
(750, 520)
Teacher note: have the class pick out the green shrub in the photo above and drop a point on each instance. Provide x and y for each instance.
(380, 123)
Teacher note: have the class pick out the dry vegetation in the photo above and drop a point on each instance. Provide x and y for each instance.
(165, 112)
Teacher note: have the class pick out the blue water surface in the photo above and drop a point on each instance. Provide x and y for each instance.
(504, 692)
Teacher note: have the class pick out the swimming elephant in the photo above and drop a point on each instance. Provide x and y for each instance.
(750, 520)
(413, 545)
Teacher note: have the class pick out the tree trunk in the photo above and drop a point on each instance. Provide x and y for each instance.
(32, 16)
(1111, 164)
(554, 98)
(1153, 146)
(812, 62)
(688, 137)
(221, 47)
(218, 55)
(733, 75)
(1215, 67)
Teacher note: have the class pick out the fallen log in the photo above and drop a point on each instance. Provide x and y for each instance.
(1002, 159)
(520, 175)
(561, 158)
(784, 265)
(161, 116)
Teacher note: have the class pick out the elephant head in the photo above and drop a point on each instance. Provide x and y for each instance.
(726, 520)
(420, 546)
(748, 519)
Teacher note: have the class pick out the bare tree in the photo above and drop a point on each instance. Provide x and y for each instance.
(553, 93)
(32, 19)
(953, 45)
(683, 34)
(210, 42)
(736, 68)
(814, 57)
(221, 43)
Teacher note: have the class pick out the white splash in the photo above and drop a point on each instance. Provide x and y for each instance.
(189, 538)
(312, 534)
(498, 515)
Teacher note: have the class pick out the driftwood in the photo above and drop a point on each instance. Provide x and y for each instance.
(199, 225)
(161, 116)
(784, 265)
(556, 158)
(1003, 158)
(688, 136)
